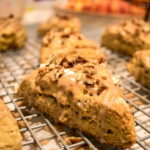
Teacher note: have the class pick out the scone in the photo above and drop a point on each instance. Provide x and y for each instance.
(10, 138)
(127, 37)
(55, 42)
(60, 22)
(12, 33)
(140, 67)
(80, 93)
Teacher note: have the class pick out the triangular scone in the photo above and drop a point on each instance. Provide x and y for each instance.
(61, 22)
(139, 66)
(80, 93)
(10, 137)
(128, 36)
(57, 41)
(12, 33)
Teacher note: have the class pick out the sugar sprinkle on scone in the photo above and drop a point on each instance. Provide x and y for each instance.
(80, 93)
(139, 66)
(60, 22)
(12, 33)
(127, 37)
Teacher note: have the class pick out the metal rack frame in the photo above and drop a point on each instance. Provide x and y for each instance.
(16, 64)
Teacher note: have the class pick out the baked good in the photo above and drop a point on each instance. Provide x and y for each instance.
(12, 33)
(61, 22)
(127, 37)
(55, 42)
(113, 7)
(10, 138)
(80, 93)
(139, 66)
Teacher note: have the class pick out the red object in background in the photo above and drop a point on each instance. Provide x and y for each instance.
(105, 7)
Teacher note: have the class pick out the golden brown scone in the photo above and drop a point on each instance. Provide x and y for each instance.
(12, 33)
(1, 60)
(127, 37)
(80, 93)
(10, 137)
(64, 42)
(139, 66)
(60, 22)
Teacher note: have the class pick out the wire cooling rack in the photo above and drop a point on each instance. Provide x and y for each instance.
(40, 133)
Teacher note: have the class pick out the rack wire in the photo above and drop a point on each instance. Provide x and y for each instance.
(39, 132)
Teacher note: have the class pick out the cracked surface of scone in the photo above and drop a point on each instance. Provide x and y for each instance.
(12, 33)
(61, 22)
(10, 138)
(139, 66)
(64, 42)
(127, 37)
(80, 93)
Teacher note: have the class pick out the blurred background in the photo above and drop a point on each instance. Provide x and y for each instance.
(35, 11)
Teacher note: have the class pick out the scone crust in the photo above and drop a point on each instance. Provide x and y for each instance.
(12, 34)
(10, 138)
(127, 37)
(139, 66)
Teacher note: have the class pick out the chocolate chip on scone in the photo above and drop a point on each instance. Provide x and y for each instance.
(127, 37)
(139, 66)
(12, 33)
(60, 22)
